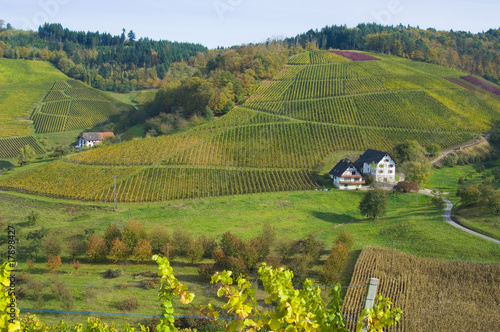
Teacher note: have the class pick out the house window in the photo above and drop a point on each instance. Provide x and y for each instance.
(386, 160)
(390, 172)
(391, 165)
(381, 171)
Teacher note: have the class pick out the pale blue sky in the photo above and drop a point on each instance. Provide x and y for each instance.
(233, 22)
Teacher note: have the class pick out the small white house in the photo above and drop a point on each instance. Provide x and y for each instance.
(345, 175)
(91, 139)
(379, 164)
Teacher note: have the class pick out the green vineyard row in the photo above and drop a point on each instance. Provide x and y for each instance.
(9, 147)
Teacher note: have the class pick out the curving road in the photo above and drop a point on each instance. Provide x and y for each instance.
(447, 218)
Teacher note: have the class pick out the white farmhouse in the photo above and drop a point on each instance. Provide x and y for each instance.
(345, 175)
(91, 139)
(379, 164)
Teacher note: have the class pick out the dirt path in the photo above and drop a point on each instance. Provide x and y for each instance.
(444, 153)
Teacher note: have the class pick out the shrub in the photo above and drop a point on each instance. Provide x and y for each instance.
(30, 263)
(118, 250)
(96, 248)
(181, 239)
(237, 265)
(168, 251)
(32, 218)
(406, 187)
(285, 249)
(75, 245)
(195, 251)
(132, 233)
(149, 283)
(209, 244)
(220, 258)
(206, 271)
(249, 255)
(62, 291)
(143, 250)
(158, 237)
(111, 274)
(346, 238)
(312, 247)
(335, 263)
(300, 268)
(273, 260)
(231, 244)
(53, 262)
(51, 245)
(111, 234)
(76, 264)
(129, 304)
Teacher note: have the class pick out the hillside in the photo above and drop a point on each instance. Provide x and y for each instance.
(37, 98)
(22, 85)
(321, 104)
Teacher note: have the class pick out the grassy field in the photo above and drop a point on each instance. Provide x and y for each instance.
(429, 292)
(417, 230)
(22, 84)
(446, 180)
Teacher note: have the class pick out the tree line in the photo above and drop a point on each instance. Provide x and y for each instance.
(107, 62)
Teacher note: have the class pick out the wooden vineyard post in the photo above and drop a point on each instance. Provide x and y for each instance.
(370, 298)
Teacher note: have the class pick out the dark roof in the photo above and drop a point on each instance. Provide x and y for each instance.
(370, 156)
(341, 167)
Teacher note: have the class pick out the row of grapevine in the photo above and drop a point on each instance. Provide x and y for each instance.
(271, 90)
(277, 145)
(86, 93)
(410, 281)
(302, 89)
(158, 184)
(9, 147)
(61, 85)
(61, 179)
(92, 108)
(300, 59)
(148, 151)
(145, 96)
(289, 72)
(56, 95)
(56, 107)
(331, 71)
(46, 123)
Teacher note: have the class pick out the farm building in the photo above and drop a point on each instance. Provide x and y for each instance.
(379, 164)
(91, 139)
(345, 175)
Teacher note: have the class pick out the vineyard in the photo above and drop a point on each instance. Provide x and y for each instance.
(9, 147)
(71, 105)
(434, 295)
(22, 85)
(319, 105)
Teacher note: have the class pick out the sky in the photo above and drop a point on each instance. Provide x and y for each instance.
(234, 22)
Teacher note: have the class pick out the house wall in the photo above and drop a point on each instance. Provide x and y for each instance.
(356, 184)
(385, 170)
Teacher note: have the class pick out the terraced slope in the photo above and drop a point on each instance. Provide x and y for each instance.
(321, 104)
(72, 105)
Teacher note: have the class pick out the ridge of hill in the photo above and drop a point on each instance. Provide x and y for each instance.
(320, 104)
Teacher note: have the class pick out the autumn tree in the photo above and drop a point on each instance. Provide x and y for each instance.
(53, 262)
(96, 248)
(132, 233)
(118, 250)
(142, 250)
